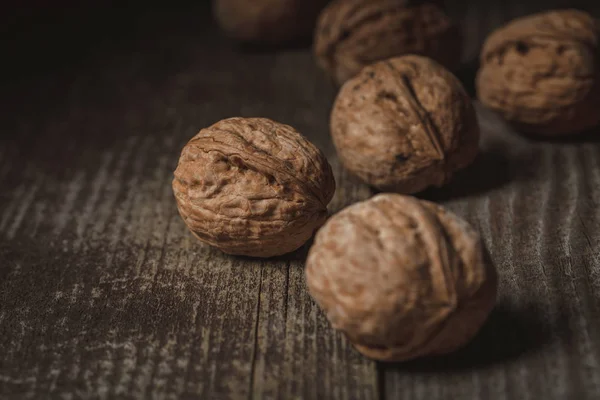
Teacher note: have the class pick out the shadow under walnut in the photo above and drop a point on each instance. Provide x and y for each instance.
(489, 171)
(509, 333)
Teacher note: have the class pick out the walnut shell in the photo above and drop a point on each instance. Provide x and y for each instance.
(351, 34)
(542, 72)
(252, 186)
(404, 124)
(267, 21)
(401, 278)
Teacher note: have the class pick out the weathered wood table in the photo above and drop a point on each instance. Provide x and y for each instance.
(105, 294)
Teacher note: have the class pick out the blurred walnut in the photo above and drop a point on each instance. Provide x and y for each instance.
(351, 34)
(268, 21)
(404, 124)
(402, 278)
(542, 72)
(252, 186)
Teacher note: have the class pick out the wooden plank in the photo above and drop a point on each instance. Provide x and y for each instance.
(104, 293)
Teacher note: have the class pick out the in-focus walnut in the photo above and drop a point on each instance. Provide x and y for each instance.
(402, 278)
(542, 72)
(253, 187)
(351, 34)
(267, 21)
(404, 124)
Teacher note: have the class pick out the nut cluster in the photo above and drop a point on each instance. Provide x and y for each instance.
(542, 72)
(402, 278)
(252, 186)
(404, 124)
(352, 34)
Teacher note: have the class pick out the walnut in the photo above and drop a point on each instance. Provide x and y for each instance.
(541, 72)
(404, 124)
(267, 21)
(351, 34)
(252, 186)
(401, 278)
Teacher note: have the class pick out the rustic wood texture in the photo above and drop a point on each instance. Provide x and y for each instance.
(105, 294)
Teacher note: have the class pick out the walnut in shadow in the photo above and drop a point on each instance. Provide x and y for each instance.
(267, 22)
(352, 34)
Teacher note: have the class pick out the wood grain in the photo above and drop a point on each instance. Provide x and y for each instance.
(105, 294)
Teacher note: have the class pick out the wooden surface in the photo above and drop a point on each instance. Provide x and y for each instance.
(105, 294)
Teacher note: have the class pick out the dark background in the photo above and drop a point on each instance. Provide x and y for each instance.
(104, 293)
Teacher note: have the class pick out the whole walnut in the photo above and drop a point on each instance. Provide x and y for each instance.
(253, 187)
(542, 72)
(404, 124)
(401, 278)
(267, 21)
(351, 34)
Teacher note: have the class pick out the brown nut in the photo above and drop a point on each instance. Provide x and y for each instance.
(351, 34)
(401, 278)
(404, 124)
(541, 72)
(252, 186)
(267, 21)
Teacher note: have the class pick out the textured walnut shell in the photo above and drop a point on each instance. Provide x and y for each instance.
(404, 124)
(402, 278)
(542, 72)
(351, 34)
(267, 21)
(252, 186)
